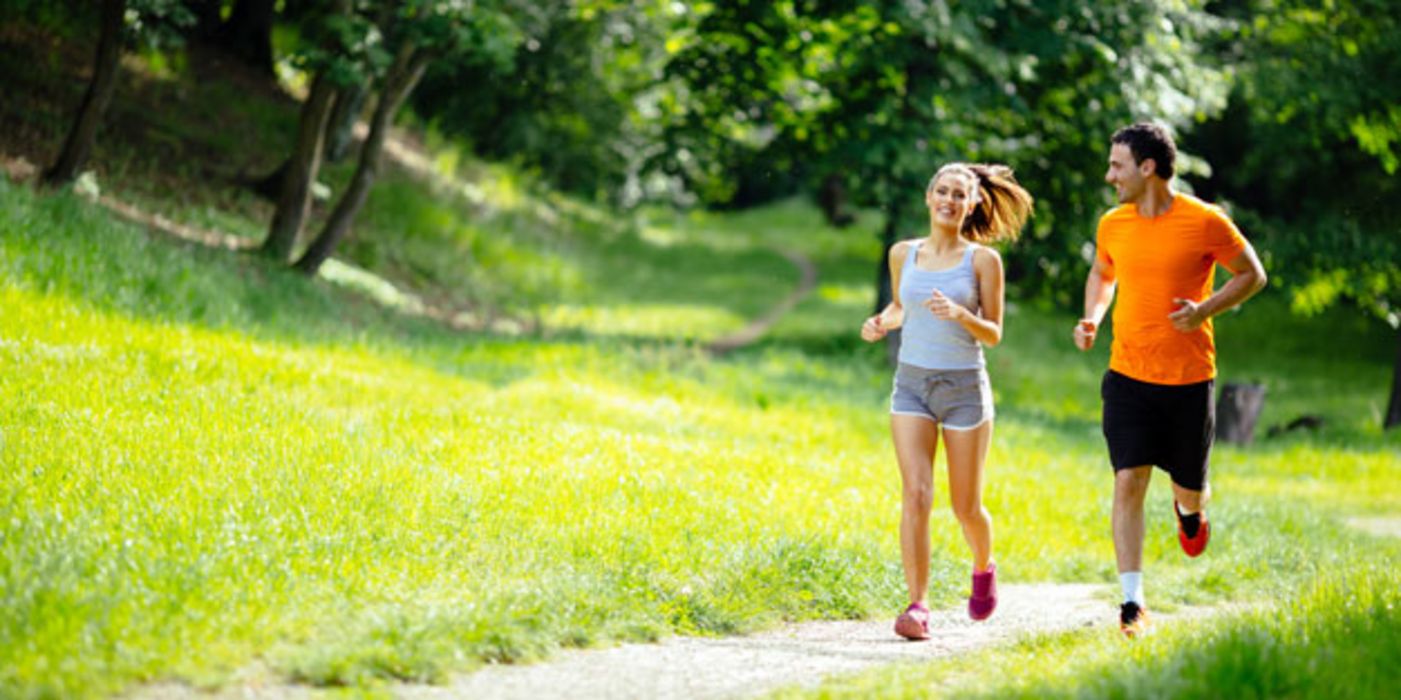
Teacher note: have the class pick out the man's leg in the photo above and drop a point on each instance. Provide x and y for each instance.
(1188, 462)
(1190, 501)
(1130, 487)
(1193, 528)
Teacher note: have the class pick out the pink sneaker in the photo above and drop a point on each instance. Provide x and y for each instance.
(984, 598)
(913, 624)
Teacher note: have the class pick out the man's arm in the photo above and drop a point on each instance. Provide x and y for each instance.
(1099, 293)
(1247, 278)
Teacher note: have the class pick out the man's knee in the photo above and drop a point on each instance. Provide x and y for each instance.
(1191, 500)
(1132, 483)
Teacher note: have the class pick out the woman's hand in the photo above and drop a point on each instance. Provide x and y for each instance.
(943, 308)
(873, 330)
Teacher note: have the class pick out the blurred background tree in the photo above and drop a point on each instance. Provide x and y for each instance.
(1284, 109)
(1307, 151)
(121, 23)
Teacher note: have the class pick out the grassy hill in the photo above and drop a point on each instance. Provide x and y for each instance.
(212, 465)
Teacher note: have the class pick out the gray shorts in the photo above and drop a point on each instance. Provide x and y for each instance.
(961, 399)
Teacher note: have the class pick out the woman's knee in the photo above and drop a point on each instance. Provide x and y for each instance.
(920, 497)
(969, 510)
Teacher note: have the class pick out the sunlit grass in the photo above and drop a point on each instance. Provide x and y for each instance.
(1337, 637)
(209, 461)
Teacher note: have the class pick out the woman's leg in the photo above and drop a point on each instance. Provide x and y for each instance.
(915, 441)
(967, 452)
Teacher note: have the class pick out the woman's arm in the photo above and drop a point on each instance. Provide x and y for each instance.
(893, 315)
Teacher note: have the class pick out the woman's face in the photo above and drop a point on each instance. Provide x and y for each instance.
(951, 198)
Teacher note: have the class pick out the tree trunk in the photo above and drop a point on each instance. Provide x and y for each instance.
(400, 80)
(832, 199)
(887, 240)
(1237, 411)
(270, 186)
(1393, 409)
(207, 20)
(884, 293)
(248, 33)
(340, 131)
(295, 196)
(81, 137)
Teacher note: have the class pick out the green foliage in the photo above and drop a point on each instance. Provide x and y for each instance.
(571, 102)
(479, 30)
(886, 92)
(343, 42)
(157, 23)
(152, 23)
(1308, 149)
(59, 17)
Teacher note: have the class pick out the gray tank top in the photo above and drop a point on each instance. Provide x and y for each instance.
(929, 342)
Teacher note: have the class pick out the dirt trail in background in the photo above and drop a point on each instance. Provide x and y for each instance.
(1384, 526)
(759, 326)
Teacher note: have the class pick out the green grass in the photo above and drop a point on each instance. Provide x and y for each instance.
(1338, 637)
(211, 462)
(207, 463)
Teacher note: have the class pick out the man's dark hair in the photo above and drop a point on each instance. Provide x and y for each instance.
(1147, 140)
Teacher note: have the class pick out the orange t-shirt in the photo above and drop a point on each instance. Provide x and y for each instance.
(1155, 261)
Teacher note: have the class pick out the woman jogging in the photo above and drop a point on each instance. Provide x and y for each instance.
(948, 300)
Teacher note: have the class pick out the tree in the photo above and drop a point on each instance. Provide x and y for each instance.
(120, 21)
(247, 33)
(569, 99)
(341, 46)
(206, 18)
(885, 92)
(1309, 148)
(406, 70)
(340, 129)
(83, 134)
(299, 171)
(422, 30)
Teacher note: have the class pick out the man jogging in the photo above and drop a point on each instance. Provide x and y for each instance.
(1159, 250)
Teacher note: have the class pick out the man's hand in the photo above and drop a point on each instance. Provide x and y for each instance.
(1085, 334)
(1188, 316)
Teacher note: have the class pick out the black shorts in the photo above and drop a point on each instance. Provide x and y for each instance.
(1167, 426)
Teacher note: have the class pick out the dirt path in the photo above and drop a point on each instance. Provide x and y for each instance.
(726, 667)
(761, 325)
(1384, 526)
(739, 667)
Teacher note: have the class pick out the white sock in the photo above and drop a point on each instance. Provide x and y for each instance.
(1132, 583)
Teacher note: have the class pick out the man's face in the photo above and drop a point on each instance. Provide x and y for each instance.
(1127, 177)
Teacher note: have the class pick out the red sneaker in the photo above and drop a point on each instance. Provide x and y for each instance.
(984, 598)
(1197, 544)
(913, 624)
